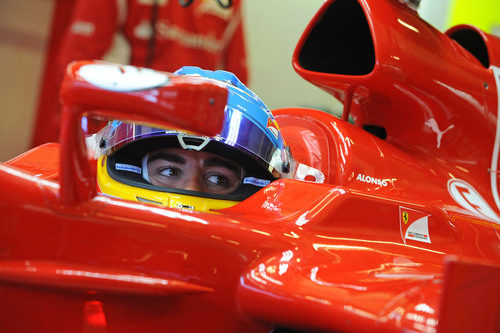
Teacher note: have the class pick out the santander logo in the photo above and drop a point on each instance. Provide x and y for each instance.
(371, 180)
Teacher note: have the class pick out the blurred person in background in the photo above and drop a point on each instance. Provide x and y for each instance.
(159, 34)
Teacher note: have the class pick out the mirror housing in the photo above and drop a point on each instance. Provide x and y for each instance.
(191, 103)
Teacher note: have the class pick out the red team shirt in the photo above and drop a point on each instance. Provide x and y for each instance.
(203, 34)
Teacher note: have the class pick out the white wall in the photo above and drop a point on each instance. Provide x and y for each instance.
(435, 12)
(24, 27)
(273, 29)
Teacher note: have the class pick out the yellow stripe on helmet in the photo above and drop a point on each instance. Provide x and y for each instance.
(113, 188)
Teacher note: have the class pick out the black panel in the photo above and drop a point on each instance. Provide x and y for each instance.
(340, 42)
(286, 330)
(378, 131)
(473, 42)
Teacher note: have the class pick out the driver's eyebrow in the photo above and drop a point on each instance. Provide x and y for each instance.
(215, 161)
(168, 157)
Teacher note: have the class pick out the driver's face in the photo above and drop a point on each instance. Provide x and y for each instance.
(193, 170)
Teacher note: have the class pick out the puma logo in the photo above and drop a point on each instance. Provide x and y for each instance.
(435, 128)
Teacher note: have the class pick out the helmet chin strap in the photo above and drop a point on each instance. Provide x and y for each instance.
(145, 173)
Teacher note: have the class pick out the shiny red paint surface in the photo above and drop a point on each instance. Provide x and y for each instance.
(296, 255)
(431, 95)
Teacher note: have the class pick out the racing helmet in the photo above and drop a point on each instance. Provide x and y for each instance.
(250, 144)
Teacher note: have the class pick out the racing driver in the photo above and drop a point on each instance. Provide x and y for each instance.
(177, 169)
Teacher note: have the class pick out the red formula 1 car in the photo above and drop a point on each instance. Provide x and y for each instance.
(402, 235)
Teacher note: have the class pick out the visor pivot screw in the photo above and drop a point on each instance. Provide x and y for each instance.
(211, 101)
(102, 143)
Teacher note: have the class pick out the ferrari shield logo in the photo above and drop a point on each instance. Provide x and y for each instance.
(414, 225)
(405, 217)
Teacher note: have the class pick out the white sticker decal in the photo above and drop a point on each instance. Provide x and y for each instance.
(128, 167)
(419, 230)
(307, 173)
(467, 197)
(256, 181)
(414, 225)
(121, 78)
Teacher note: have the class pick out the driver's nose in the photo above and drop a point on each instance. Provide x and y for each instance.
(193, 183)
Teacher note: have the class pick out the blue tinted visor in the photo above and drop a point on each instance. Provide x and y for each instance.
(238, 132)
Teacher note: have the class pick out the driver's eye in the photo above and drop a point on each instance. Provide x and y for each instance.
(218, 180)
(170, 172)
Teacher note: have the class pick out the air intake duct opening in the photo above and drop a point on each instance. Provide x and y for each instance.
(473, 42)
(340, 42)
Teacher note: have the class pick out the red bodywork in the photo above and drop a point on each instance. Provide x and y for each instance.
(402, 236)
